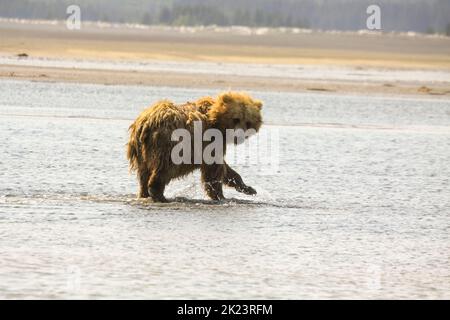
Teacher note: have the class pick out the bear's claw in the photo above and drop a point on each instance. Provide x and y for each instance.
(248, 190)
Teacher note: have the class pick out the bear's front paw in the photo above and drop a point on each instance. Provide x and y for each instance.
(247, 190)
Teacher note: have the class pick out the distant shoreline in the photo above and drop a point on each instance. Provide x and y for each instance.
(233, 29)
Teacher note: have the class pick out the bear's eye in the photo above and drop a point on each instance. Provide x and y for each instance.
(236, 121)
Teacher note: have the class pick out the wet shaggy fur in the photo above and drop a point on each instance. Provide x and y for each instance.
(149, 146)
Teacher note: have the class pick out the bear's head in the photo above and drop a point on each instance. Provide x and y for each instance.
(235, 110)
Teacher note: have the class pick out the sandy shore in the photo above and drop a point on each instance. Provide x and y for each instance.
(352, 50)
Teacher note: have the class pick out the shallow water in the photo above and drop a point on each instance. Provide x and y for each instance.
(358, 207)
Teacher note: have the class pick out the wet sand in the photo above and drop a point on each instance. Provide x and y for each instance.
(192, 80)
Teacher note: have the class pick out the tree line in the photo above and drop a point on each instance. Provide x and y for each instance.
(396, 15)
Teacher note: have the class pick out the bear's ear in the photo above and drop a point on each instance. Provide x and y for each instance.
(258, 104)
(226, 97)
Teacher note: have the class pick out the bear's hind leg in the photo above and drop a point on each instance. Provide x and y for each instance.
(143, 175)
(212, 177)
(156, 186)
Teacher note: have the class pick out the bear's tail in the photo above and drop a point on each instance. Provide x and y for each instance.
(133, 149)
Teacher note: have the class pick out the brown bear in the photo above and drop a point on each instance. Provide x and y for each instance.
(150, 144)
